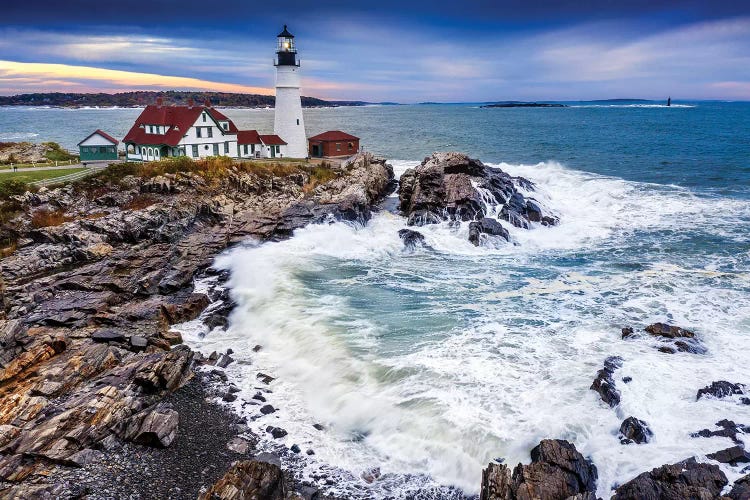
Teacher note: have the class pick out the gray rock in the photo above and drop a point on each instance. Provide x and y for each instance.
(636, 431)
(686, 479)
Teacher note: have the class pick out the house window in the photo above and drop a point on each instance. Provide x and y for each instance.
(278, 149)
(210, 131)
(351, 145)
(195, 151)
(204, 117)
(338, 146)
(226, 148)
(216, 150)
(245, 149)
(252, 148)
(198, 132)
(225, 125)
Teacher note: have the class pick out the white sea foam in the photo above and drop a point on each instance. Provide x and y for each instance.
(14, 136)
(429, 364)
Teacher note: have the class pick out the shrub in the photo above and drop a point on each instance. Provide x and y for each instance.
(319, 175)
(56, 153)
(12, 187)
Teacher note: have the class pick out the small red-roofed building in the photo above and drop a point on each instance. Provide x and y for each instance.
(332, 144)
(196, 132)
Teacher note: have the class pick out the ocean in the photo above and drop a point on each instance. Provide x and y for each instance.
(427, 365)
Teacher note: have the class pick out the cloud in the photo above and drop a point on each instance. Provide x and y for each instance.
(93, 79)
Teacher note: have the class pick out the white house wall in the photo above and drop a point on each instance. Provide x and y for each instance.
(97, 140)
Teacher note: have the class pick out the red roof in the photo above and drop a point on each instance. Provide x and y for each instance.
(334, 135)
(272, 140)
(101, 133)
(178, 118)
(248, 137)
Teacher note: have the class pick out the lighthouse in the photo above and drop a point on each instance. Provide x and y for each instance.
(289, 123)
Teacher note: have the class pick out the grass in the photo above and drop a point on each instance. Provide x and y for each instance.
(57, 153)
(38, 175)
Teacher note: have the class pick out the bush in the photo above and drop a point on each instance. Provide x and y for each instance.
(56, 153)
(12, 187)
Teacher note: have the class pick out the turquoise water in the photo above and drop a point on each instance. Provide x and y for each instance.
(429, 364)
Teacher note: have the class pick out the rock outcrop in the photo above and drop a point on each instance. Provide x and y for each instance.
(246, 480)
(557, 471)
(86, 351)
(604, 383)
(723, 389)
(452, 186)
(636, 431)
(686, 479)
(727, 429)
(412, 239)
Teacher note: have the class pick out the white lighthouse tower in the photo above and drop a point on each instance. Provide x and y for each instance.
(289, 123)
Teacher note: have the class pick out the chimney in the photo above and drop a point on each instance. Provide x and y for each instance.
(190, 102)
(207, 102)
(159, 101)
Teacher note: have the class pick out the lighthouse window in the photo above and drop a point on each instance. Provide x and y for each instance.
(297, 121)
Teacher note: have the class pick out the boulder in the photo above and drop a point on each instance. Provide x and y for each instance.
(728, 429)
(452, 186)
(636, 431)
(668, 331)
(741, 489)
(246, 480)
(486, 226)
(731, 456)
(557, 471)
(157, 427)
(276, 432)
(686, 479)
(604, 383)
(412, 239)
(721, 389)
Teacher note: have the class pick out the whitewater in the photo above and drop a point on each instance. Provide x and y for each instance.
(428, 364)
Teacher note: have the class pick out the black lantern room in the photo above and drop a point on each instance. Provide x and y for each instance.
(286, 52)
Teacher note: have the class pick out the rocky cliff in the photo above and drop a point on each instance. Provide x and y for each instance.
(87, 358)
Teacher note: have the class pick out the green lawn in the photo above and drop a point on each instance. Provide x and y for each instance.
(38, 176)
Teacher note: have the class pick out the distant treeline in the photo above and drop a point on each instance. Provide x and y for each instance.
(132, 99)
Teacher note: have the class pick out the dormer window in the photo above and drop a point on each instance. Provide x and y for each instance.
(204, 117)
(225, 125)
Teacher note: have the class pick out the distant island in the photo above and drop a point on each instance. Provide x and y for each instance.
(171, 97)
(515, 104)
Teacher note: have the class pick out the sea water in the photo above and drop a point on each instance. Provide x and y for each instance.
(429, 364)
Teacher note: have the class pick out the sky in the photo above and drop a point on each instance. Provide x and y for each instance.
(402, 51)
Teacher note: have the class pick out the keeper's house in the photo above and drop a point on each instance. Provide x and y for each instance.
(99, 146)
(332, 144)
(196, 132)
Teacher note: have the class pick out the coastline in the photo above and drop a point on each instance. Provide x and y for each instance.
(61, 333)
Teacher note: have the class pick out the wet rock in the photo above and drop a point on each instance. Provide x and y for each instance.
(720, 390)
(731, 456)
(453, 186)
(686, 479)
(224, 361)
(267, 409)
(668, 331)
(412, 239)
(229, 397)
(319, 427)
(627, 380)
(727, 429)
(259, 397)
(276, 432)
(266, 379)
(636, 431)
(295, 449)
(489, 227)
(627, 332)
(740, 489)
(248, 479)
(371, 475)
(604, 383)
(557, 471)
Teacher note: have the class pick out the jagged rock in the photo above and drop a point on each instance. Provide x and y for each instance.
(157, 427)
(267, 409)
(721, 389)
(627, 332)
(604, 382)
(138, 343)
(557, 471)
(668, 331)
(728, 429)
(732, 456)
(686, 479)
(108, 335)
(224, 361)
(266, 379)
(741, 489)
(412, 239)
(246, 480)
(85, 456)
(276, 432)
(636, 431)
(454, 186)
(295, 448)
(486, 226)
